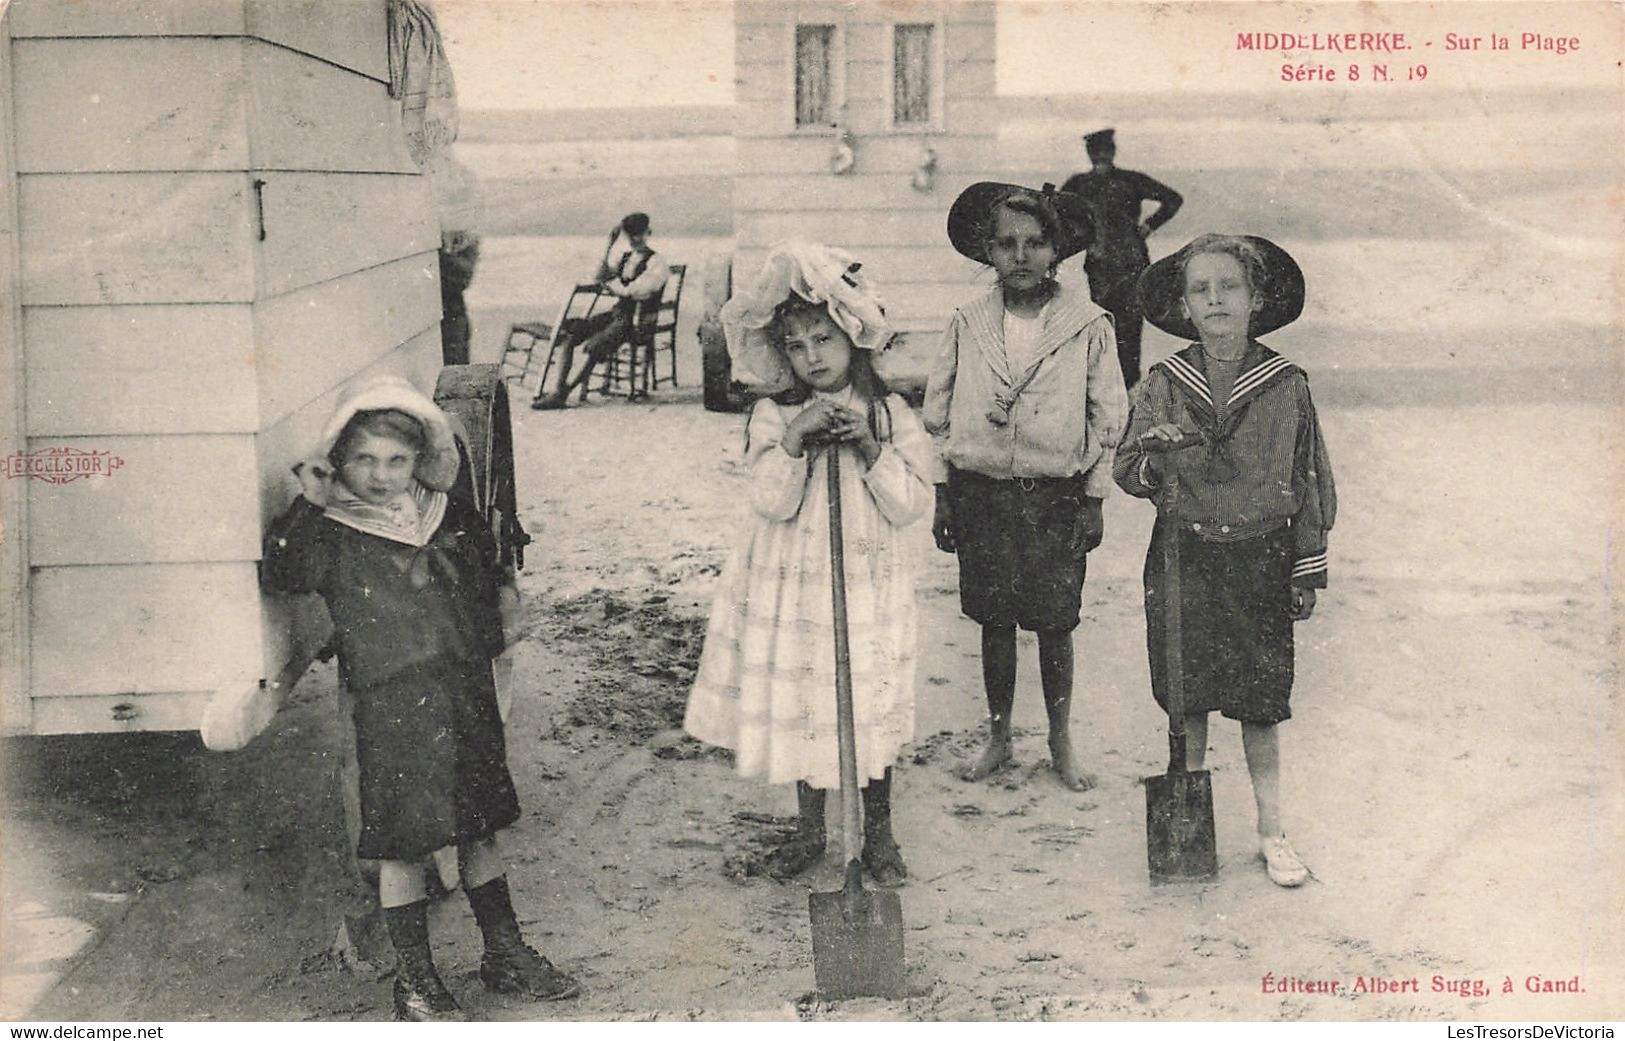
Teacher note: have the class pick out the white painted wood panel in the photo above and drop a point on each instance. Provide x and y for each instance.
(349, 33)
(756, 119)
(861, 12)
(163, 369)
(813, 191)
(910, 298)
(16, 713)
(126, 18)
(77, 109)
(175, 498)
(119, 629)
(112, 713)
(762, 12)
(866, 43)
(973, 78)
(760, 77)
(955, 12)
(893, 267)
(969, 41)
(757, 41)
(293, 629)
(932, 303)
(837, 11)
(305, 114)
(136, 238)
(926, 328)
(315, 338)
(323, 225)
(868, 81)
(971, 115)
(875, 154)
(972, 11)
(853, 229)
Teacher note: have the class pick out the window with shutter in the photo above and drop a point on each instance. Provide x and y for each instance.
(815, 75)
(913, 66)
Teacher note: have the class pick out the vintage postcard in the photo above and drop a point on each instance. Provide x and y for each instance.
(430, 431)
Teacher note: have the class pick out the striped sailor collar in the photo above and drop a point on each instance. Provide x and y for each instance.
(410, 519)
(1260, 368)
(1066, 314)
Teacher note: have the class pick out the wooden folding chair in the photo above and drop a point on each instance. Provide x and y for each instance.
(634, 370)
(519, 351)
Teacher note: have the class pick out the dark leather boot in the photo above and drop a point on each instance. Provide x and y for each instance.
(510, 965)
(420, 995)
(806, 847)
(881, 856)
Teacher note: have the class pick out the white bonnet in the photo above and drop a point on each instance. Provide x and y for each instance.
(816, 273)
(437, 467)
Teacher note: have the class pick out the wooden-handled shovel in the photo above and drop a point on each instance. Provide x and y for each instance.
(1180, 844)
(857, 933)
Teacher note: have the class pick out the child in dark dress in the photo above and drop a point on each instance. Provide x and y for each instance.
(420, 606)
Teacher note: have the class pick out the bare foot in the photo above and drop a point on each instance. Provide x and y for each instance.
(1072, 775)
(992, 759)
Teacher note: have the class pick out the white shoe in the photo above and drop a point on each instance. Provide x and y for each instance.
(1282, 862)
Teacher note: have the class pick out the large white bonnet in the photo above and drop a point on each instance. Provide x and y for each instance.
(816, 273)
(437, 467)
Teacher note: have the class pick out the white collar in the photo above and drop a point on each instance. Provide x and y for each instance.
(410, 518)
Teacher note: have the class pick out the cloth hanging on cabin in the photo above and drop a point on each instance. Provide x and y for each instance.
(420, 79)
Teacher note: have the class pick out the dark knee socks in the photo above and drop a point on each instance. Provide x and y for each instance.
(810, 805)
(408, 924)
(408, 927)
(877, 808)
(493, 910)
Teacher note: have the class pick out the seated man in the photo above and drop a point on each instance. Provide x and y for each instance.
(639, 275)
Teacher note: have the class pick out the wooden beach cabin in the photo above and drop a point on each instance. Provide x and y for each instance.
(857, 124)
(209, 222)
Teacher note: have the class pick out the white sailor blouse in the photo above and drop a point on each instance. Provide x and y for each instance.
(1262, 467)
(1060, 414)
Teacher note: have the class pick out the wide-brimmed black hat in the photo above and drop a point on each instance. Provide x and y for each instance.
(970, 216)
(1162, 287)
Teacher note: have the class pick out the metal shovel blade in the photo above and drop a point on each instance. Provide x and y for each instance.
(857, 937)
(1179, 841)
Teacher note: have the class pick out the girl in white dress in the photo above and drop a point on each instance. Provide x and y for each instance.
(766, 681)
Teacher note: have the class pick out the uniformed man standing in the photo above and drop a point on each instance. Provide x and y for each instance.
(1118, 255)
